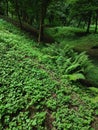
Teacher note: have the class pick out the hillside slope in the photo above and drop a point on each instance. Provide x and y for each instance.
(39, 86)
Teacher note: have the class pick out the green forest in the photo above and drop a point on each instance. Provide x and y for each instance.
(48, 64)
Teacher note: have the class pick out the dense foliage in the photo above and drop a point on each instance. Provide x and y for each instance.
(41, 13)
(39, 87)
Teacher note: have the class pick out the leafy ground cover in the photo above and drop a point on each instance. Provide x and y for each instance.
(76, 38)
(39, 86)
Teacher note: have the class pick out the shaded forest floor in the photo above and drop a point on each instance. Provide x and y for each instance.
(77, 38)
(36, 92)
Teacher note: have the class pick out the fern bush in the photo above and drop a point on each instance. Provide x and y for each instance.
(68, 62)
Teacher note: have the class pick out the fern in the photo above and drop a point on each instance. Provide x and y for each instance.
(72, 67)
(74, 77)
(68, 62)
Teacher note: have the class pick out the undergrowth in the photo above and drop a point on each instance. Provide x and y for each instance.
(39, 86)
(76, 38)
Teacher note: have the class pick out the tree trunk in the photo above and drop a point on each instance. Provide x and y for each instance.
(18, 13)
(89, 22)
(7, 7)
(51, 18)
(84, 24)
(41, 29)
(79, 23)
(96, 22)
(43, 9)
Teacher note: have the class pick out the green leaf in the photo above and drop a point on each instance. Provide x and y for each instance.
(76, 76)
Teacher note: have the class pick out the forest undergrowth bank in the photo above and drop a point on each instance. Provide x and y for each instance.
(39, 85)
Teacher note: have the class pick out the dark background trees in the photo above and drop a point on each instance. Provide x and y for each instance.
(52, 13)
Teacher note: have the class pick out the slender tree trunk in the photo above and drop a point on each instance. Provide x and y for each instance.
(1, 11)
(31, 20)
(41, 29)
(84, 24)
(51, 19)
(89, 22)
(43, 9)
(7, 7)
(12, 15)
(79, 23)
(96, 22)
(18, 13)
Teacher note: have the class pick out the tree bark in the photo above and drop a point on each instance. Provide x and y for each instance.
(7, 7)
(43, 9)
(89, 22)
(79, 23)
(96, 22)
(41, 29)
(18, 13)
